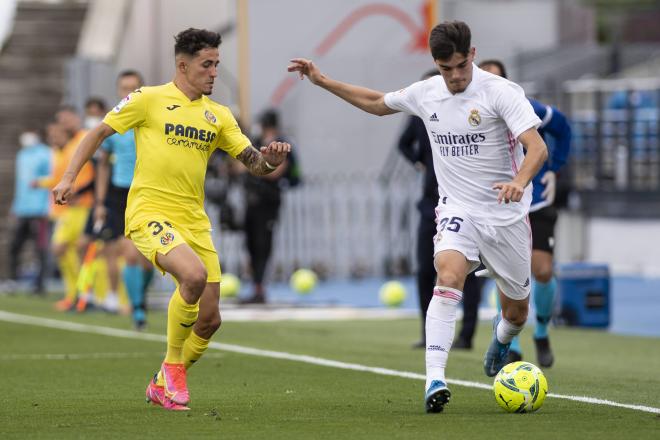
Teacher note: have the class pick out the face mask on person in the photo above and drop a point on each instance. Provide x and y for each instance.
(28, 139)
(91, 122)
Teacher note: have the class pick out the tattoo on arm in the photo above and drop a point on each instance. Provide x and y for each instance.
(254, 161)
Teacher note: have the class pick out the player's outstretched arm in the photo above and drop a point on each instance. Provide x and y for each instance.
(266, 159)
(371, 101)
(537, 153)
(90, 143)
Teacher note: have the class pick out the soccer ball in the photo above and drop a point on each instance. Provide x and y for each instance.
(230, 285)
(520, 387)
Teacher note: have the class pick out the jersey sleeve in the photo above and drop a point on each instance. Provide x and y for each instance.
(128, 113)
(514, 108)
(231, 139)
(405, 100)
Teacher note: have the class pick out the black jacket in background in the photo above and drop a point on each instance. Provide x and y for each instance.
(415, 146)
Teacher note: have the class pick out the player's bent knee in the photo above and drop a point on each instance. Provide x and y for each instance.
(516, 315)
(450, 279)
(520, 321)
(195, 280)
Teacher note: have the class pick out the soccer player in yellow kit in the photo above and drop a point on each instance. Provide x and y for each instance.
(177, 127)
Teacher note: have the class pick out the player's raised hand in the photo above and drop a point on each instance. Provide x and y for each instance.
(275, 152)
(306, 68)
(509, 191)
(62, 192)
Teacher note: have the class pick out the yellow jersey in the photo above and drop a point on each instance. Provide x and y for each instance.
(174, 139)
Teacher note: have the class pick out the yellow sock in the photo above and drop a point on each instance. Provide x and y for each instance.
(193, 349)
(180, 318)
(124, 302)
(68, 264)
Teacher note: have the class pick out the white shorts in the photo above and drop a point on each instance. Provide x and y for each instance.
(505, 250)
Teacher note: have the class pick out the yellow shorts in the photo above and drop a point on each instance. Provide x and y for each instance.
(70, 225)
(161, 236)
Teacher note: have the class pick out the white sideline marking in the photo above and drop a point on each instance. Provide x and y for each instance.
(72, 356)
(85, 356)
(129, 334)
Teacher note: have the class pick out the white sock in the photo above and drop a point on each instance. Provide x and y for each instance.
(440, 324)
(506, 331)
(111, 301)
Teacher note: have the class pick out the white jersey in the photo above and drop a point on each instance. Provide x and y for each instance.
(473, 136)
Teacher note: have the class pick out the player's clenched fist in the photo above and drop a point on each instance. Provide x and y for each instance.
(275, 152)
(278, 147)
(509, 192)
(62, 192)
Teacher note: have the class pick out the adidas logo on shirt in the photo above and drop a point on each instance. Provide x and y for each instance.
(433, 118)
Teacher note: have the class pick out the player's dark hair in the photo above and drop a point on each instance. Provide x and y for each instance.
(193, 40)
(497, 63)
(270, 119)
(448, 38)
(130, 72)
(96, 101)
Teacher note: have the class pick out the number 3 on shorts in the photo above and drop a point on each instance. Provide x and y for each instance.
(157, 227)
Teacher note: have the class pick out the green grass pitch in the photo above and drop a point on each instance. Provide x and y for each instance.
(98, 390)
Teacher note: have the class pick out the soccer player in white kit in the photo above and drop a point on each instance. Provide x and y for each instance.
(478, 125)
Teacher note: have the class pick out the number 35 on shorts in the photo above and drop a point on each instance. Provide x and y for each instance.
(163, 231)
(452, 224)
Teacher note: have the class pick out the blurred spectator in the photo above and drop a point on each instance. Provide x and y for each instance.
(415, 146)
(29, 208)
(263, 199)
(64, 136)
